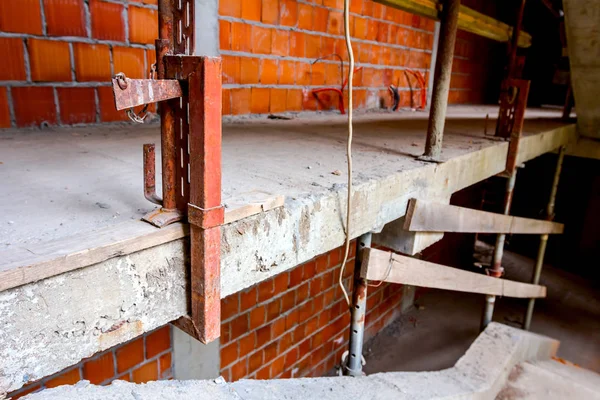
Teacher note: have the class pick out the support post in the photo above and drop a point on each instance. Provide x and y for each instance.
(441, 83)
(496, 270)
(353, 366)
(514, 42)
(539, 261)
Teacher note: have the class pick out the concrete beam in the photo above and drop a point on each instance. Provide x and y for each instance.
(52, 324)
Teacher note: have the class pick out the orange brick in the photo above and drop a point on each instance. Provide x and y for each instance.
(297, 44)
(260, 100)
(132, 353)
(264, 372)
(77, 105)
(49, 60)
(130, 61)
(270, 11)
(158, 341)
(268, 72)
(270, 352)
(305, 16)
(24, 391)
(251, 9)
(231, 8)
(278, 99)
(145, 373)
(65, 17)
(226, 102)
(107, 20)
(34, 105)
(278, 327)
(336, 23)
(273, 309)
(313, 46)
(288, 12)
(248, 298)
(108, 112)
(281, 282)
(257, 317)
(4, 111)
(265, 288)
(240, 101)
(70, 377)
(229, 354)
(261, 40)
(247, 344)
(13, 18)
(294, 100)
(303, 74)
(224, 35)
(92, 62)
(230, 306)
(317, 76)
(143, 25)
(231, 69)
(360, 28)
(241, 37)
(280, 42)
(249, 70)
(255, 361)
(239, 326)
(277, 366)
(333, 74)
(100, 369)
(321, 17)
(164, 364)
(239, 370)
(13, 67)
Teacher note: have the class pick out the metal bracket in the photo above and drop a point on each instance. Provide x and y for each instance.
(206, 218)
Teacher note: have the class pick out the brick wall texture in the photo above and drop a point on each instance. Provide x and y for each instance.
(146, 358)
(61, 54)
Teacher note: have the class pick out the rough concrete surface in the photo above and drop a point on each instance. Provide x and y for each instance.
(101, 307)
(479, 374)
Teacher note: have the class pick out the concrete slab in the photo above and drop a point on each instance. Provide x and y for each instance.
(148, 287)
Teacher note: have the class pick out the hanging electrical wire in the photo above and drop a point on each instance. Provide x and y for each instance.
(349, 145)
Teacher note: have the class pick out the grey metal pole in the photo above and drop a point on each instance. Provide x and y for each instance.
(539, 261)
(359, 308)
(441, 80)
(496, 270)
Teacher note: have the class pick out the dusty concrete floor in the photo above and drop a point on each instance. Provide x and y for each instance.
(58, 183)
(442, 326)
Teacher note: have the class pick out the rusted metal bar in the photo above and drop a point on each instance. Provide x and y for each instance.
(510, 125)
(539, 261)
(514, 41)
(205, 212)
(441, 83)
(131, 93)
(353, 364)
(150, 174)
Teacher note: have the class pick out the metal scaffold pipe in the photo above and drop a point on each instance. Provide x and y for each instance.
(441, 80)
(539, 261)
(353, 365)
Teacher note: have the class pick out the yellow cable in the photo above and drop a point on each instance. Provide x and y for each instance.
(349, 145)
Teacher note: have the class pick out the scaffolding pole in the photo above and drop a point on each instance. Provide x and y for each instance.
(539, 261)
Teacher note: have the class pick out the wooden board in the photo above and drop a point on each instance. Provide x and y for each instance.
(32, 263)
(386, 266)
(423, 216)
(468, 19)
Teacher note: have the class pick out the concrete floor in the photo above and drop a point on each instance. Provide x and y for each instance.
(443, 324)
(58, 183)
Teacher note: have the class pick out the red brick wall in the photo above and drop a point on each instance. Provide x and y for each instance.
(296, 324)
(62, 53)
(59, 56)
(140, 360)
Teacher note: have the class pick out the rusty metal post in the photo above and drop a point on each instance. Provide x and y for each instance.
(539, 261)
(497, 270)
(441, 85)
(514, 41)
(150, 174)
(353, 365)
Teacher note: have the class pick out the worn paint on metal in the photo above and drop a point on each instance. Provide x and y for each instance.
(144, 91)
(150, 174)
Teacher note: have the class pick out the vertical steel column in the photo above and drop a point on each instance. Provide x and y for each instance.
(441, 85)
(496, 270)
(514, 43)
(359, 308)
(539, 261)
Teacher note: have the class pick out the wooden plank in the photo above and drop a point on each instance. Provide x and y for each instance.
(32, 263)
(423, 216)
(386, 266)
(251, 203)
(468, 19)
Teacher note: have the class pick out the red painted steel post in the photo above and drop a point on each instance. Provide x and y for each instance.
(205, 194)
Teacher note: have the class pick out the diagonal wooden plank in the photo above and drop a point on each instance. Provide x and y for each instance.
(423, 216)
(386, 266)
